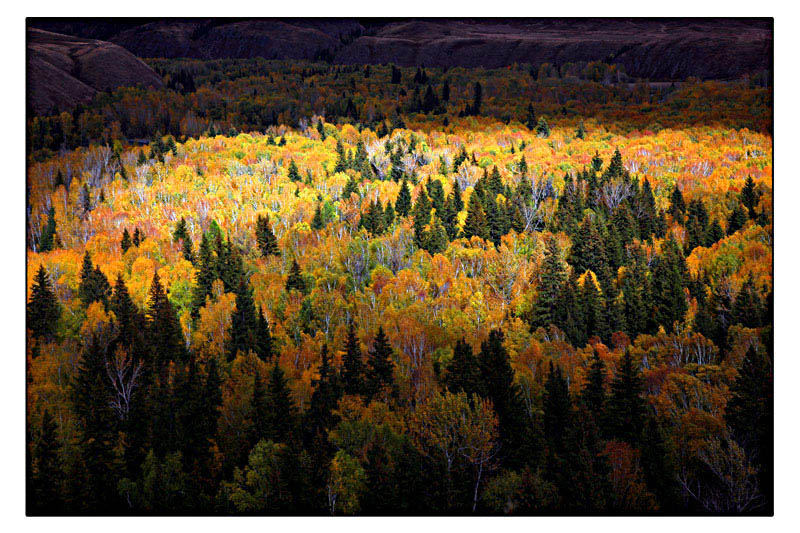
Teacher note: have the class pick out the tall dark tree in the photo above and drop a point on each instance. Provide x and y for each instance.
(593, 395)
(206, 274)
(43, 310)
(476, 224)
(125, 243)
(380, 368)
(281, 411)
(94, 286)
(403, 204)
(263, 346)
(267, 242)
(669, 279)
(750, 414)
(47, 239)
(243, 330)
(749, 197)
(47, 473)
(165, 335)
(353, 370)
(551, 280)
(464, 371)
(626, 407)
(557, 409)
(295, 280)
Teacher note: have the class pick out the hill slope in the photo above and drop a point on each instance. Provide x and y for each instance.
(64, 71)
(658, 49)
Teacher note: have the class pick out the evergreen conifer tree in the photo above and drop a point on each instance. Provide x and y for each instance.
(43, 310)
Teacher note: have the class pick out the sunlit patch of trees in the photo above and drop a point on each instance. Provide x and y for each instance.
(486, 316)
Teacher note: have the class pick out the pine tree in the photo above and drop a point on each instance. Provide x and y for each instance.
(580, 133)
(263, 336)
(626, 407)
(129, 320)
(593, 395)
(187, 249)
(325, 397)
(557, 409)
(125, 243)
(498, 385)
(180, 230)
(166, 338)
(267, 242)
(317, 222)
(669, 281)
(380, 367)
(403, 203)
(295, 280)
(48, 475)
(737, 219)
(677, 207)
(206, 274)
(551, 280)
(436, 238)
(243, 335)
(43, 310)
(90, 395)
(138, 237)
(530, 120)
(259, 406)
(94, 286)
(294, 173)
(463, 371)
(282, 414)
(47, 240)
(353, 371)
(749, 197)
(747, 309)
(475, 224)
(750, 414)
(542, 129)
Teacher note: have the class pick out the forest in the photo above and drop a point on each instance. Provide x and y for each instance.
(297, 288)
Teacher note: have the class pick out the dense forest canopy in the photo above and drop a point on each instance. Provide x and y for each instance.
(297, 288)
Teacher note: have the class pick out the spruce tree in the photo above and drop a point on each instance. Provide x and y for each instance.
(402, 205)
(243, 334)
(263, 347)
(551, 280)
(125, 243)
(294, 173)
(736, 220)
(267, 242)
(353, 371)
(282, 413)
(749, 197)
(542, 129)
(380, 367)
(593, 395)
(206, 274)
(669, 281)
(463, 372)
(165, 335)
(43, 310)
(317, 222)
(750, 415)
(327, 391)
(626, 407)
(47, 240)
(475, 225)
(295, 280)
(48, 475)
(677, 207)
(557, 410)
